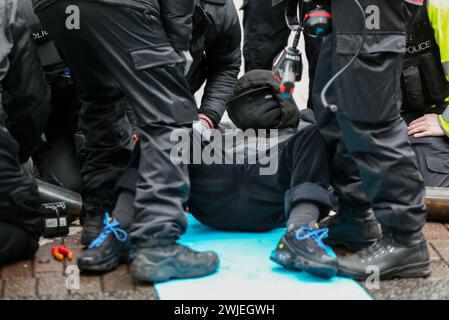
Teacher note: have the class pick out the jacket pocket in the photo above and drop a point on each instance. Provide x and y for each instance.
(370, 91)
(437, 165)
(152, 57)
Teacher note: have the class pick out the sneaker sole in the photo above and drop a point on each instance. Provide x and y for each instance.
(170, 269)
(414, 270)
(312, 267)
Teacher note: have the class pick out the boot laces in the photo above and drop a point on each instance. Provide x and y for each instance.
(316, 235)
(110, 226)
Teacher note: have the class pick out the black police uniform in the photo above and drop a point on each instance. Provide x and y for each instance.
(425, 89)
(132, 47)
(266, 35)
(368, 123)
(216, 53)
(22, 122)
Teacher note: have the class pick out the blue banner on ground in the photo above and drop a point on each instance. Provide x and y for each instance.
(246, 272)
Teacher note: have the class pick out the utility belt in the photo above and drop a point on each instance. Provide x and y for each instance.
(423, 83)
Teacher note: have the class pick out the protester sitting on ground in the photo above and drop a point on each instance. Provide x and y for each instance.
(242, 196)
(24, 108)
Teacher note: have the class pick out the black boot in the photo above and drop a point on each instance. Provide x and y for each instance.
(353, 230)
(390, 258)
(159, 264)
(92, 226)
(108, 250)
(304, 250)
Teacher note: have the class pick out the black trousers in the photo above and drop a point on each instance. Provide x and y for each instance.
(16, 244)
(59, 159)
(119, 49)
(266, 35)
(369, 121)
(236, 197)
(431, 152)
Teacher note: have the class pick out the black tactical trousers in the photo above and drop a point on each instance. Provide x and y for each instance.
(119, 49)
(369, 118)
(431, 152)
(16, 244)
(19, 198)
(266, 35)
(58, 159)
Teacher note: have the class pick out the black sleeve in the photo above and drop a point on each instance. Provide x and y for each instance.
(177, 19)
(25, 83)
(224, 59)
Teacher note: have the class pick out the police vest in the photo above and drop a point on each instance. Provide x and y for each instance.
(423, 81)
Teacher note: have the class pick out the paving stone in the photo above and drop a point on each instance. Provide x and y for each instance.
(149, 291)
(22, 269)
(73, 241)
(19, 288)
(433, 254)
(117, 281)
(440, 271)
(88, 284)
(436, 231)
(442, 247)
(45, 263)
(52, 284)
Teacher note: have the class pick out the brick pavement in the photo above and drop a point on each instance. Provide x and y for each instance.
(45, 278)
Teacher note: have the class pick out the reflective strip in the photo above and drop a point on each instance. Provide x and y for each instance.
(443, 124)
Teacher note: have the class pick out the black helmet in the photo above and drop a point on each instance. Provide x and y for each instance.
(258, 104)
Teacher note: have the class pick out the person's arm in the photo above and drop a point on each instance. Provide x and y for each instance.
(223, 61)
(26, 84)
(433, 124)
(177, 20)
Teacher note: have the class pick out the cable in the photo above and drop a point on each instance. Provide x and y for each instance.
(333, 107)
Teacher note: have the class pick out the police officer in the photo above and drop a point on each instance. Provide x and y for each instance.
(133, 47)
(24, 109)
(266, 35)
(216, 60)
(375, 135)
(425, 84)
(59, 159)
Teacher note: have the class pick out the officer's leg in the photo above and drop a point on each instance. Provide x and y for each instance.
(355, 225)
(20, 223)
(145, 64)
(376, 137)
(102, 116)
(15, 243)
(266, 33)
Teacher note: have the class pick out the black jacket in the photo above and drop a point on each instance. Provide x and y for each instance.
(176, 16)
(217, 55)
(25, 97)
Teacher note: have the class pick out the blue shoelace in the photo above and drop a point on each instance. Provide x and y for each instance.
(316, 234)
(110, 226)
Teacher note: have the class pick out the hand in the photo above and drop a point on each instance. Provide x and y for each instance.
(426, 126)
(204, 126)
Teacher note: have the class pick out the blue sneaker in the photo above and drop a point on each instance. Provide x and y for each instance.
(108, 250)
(304, 250)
